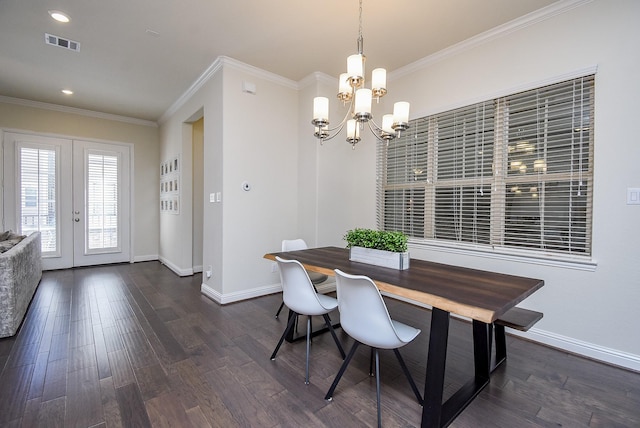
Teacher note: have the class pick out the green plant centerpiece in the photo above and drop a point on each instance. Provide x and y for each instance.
(378, 247)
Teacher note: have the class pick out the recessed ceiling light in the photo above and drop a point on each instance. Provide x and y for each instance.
(67, 91)
(59, 16)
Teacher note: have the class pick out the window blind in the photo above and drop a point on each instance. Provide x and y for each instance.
(513, 172)
(102, 201)
(405, 174)
(37, 205)
(463, 143)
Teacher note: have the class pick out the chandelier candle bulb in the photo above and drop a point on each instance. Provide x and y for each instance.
(387, 124)
(321, 132)
(344, 88)
(379, 82)
(363, 104)
(353, 130)
(355, 68)
(401, 112)
(321, 109)
(353, 133)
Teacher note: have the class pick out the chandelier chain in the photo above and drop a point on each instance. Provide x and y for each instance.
(360, 21)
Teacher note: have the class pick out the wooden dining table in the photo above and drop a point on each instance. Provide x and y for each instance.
(482, 296)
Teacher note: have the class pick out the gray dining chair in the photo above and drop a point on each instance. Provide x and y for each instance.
(364, 317)
(300, 244)
(301, 298)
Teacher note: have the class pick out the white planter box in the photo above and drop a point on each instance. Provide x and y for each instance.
(382, 258)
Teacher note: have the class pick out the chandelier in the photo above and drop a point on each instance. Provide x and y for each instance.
(351, 90)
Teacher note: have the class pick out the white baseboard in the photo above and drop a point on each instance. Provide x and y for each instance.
(177, 270)
(240, 295)
(325, 287)
(147, 258)
(584, 349)
(210, 293)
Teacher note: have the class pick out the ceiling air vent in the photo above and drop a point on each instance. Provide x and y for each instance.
(50, 39)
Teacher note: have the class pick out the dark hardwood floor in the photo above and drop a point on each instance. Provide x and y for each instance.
(134, 345)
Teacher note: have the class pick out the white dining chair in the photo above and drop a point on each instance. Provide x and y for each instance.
(364, 317)
(301, 298)
(300, 244)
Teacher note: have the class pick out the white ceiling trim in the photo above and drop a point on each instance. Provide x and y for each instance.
(195, 86)
(317, 77)
(495, 33)
(216, 65)
(78, 111)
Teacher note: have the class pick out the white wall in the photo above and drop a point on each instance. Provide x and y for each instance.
(58, 121)
(594, 313)
(247, 138)
(260, 147)
(318, 193)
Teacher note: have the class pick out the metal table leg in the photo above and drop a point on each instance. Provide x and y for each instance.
(435, 413)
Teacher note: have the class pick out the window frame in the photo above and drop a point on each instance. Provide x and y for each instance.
(499, 179)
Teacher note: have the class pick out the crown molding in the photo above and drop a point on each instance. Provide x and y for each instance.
(78, 111)
(195, 86)
(317, 77)
(260, 73)
(500, 31)
(218, 64)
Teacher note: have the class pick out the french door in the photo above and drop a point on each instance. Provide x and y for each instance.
(76, 193)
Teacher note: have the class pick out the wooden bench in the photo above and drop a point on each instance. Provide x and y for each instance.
(516, 318)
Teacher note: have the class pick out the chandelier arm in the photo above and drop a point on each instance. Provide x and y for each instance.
(375, 125)
(338, 129)
(344, 120)
(379, 133)
(375, 130)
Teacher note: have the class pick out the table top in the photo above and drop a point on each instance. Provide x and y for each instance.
(473, 293)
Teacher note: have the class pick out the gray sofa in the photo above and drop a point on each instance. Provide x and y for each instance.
(20, 273)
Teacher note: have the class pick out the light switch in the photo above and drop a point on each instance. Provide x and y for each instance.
(212, 197)
(633, 195)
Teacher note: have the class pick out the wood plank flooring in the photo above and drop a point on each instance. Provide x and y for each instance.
(134, 345)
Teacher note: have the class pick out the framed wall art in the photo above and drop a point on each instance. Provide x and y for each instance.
(170, 186)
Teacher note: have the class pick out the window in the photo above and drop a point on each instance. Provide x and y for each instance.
(38, 210)
(510, 173)
(102, 201)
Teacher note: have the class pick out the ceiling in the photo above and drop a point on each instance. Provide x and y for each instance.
(137, 57)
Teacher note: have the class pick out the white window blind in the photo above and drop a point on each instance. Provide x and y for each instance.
(405, 172)
(514, 172)
(38, 210)
(102, 201)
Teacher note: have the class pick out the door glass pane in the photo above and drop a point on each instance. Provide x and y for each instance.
(38, 209)
(102, 201)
